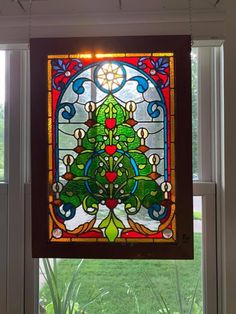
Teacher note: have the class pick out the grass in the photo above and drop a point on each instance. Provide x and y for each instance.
(197, 215)
(136, 286)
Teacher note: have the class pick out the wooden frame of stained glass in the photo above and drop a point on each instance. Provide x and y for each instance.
(111, 147)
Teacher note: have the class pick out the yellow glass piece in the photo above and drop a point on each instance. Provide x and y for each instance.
(172, 101)
(173, 185)
(58, 56)
(166, 223)
(61, 240)
(50, 225)
(102, 240)
(172, 155)
(172, 76)
(49, 130)
(172, 128)
(81, 56)
(163, 54)
(110, 76)
(50, 181)
(144, 54)
(50, 156)
(49, 75)
(109, 55)
(49, 104)
(50, 198)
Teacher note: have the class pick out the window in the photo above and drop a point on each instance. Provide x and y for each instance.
(156, 286)
(2, 115)
(20, 272)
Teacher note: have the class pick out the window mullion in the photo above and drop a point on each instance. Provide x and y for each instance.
(15, 263)
(209, 254)
(3, 245)
(205, 117)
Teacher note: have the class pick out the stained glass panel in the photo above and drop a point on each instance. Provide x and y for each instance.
(111, 139)
(111, 150)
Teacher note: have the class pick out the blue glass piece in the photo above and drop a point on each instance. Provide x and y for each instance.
(142, 83)
(154, 212)
(153, 109)
(68, 114)
(78, 85)
(66, 212)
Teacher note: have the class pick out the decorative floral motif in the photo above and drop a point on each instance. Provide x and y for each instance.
(63, 70)
(157, 69)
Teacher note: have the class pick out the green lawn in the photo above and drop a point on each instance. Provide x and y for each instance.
(136, 286)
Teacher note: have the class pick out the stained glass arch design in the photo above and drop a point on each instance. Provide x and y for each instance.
(112, 152)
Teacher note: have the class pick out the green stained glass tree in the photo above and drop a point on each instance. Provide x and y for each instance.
(111, 170)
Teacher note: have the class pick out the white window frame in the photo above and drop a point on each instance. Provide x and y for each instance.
(18, 271)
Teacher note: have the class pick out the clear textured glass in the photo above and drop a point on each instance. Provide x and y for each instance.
(2, 115)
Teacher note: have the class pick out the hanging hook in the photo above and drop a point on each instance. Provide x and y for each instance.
(120, 4)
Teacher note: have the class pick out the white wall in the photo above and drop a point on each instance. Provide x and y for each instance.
(205, 24)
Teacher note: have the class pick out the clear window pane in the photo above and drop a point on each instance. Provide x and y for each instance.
(2, 115)
(195, 158)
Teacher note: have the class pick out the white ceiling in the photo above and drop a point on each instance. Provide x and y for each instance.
(87, 7)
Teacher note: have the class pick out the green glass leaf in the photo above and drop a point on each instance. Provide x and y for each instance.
(84, 178)
(153, 193)
(130, 139)
(119, 224)
(80, 166)
(134, 204)
(105, 222)
(111, 231)
(90, 205)
(69, 193)
(103, 172)
(142, 178)
(119, 173)
(141, 166)
(92, 140)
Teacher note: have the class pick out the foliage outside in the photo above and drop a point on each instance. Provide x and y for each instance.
(128, 286)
